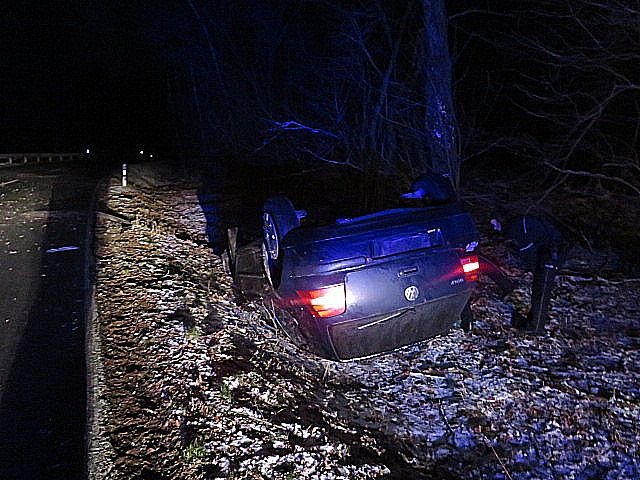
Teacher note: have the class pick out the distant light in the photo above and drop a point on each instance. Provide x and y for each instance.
(88, 151)
(141, 152)
(151, 155)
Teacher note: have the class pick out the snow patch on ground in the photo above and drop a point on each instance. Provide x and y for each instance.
(200, 386)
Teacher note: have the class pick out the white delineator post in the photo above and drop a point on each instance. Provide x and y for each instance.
(124, 174)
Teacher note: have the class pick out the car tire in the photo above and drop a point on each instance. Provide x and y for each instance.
(278, 218)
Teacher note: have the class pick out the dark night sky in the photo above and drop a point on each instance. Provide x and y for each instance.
(89, 74)
(188, 74)
(114, 77)
(80, 74)
(75, 75)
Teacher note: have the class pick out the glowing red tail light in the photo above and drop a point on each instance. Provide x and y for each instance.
(325, 302)
(470, 267)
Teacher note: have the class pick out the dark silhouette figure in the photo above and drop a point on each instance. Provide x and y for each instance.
(542, 250)
(431, 188)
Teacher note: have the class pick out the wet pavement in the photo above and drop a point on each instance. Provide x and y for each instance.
(43, 226)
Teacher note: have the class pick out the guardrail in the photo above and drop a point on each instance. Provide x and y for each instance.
(15, 159)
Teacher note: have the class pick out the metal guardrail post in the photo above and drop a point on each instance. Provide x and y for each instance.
(15, 159)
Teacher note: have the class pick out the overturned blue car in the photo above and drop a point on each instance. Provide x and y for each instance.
(364, 285)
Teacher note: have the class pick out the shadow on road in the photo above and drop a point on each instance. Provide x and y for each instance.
(43, 410)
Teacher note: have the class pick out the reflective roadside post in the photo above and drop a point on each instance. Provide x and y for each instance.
(124, 174)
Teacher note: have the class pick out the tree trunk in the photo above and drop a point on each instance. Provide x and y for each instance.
(440, 121)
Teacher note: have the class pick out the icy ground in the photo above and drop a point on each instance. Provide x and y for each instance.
(198, 386)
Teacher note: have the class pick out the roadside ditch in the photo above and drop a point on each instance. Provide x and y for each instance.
(189, 382)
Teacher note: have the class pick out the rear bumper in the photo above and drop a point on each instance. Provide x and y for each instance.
(365, 337)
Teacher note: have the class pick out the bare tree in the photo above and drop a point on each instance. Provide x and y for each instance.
(569, 81)
(440, 123)
(366, 84)
(387, 104)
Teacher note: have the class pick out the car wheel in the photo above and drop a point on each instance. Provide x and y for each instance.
(278, 218)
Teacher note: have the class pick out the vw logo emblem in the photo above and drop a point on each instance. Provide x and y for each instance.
(411, 293)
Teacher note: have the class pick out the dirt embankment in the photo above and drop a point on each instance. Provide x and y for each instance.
(195, 385)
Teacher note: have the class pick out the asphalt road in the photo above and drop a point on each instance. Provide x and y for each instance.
(43, 219)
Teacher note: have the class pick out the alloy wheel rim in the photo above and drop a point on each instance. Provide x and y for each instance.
(270, 236)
